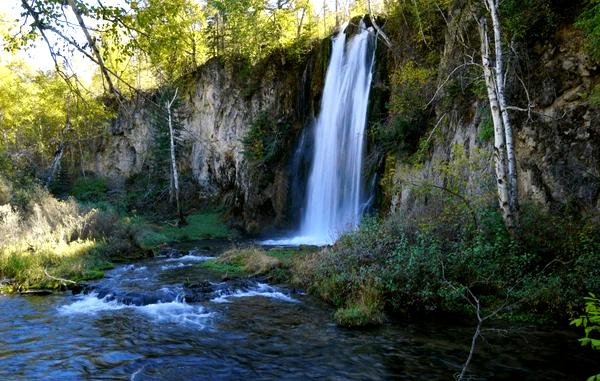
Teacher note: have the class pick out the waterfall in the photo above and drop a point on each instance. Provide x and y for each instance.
(334, 195)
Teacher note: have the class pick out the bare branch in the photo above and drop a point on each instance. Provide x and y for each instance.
(380, 33)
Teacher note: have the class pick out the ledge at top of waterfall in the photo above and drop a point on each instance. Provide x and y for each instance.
(335, 194)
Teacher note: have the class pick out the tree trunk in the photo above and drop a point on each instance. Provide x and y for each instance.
(499, 135)
(299, 31)
(94, 48)
(500, 85)
(380, 32)
(174, 174)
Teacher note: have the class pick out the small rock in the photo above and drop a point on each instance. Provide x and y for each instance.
(169, 253)
(36, 292)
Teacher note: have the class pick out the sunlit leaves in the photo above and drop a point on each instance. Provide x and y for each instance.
(33, 113)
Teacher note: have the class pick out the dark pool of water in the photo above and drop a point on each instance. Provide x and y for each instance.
(137, 325)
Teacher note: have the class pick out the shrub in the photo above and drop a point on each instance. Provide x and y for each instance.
(589, 22)
(49, 243)
(5, 191)
(486, 128)
(266, 140)
(531, 19)
(412, 84)
(591, 324)
(90, 189)
(424, 263)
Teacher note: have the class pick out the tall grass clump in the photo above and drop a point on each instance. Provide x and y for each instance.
(50, 243)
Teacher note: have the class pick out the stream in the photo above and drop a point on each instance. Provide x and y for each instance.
(166, 318)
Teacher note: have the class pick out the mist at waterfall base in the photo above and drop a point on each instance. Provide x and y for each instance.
(335, 197)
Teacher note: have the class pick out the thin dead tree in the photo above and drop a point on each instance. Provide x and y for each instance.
(380, 32)
(174, 173)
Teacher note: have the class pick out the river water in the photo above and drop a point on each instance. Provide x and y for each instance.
(168, 319)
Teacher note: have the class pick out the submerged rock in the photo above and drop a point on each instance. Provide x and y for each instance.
(198, 291)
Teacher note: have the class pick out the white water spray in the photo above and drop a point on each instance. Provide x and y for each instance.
(335, 197)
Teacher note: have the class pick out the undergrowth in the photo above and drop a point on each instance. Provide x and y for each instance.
(415, 265)
(46, 243)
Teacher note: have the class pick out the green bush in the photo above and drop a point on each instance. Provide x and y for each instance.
(486, 128)
(424, 264)
(589, 22)
(266, 140)
(590, 322)
(528, 19)
(90, 189)
(47, 239)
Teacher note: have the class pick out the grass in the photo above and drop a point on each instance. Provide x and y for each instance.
(227, 269)
(357, 315)
(46, 243)
(252, 260)
(275, 263)
(287, 255)
(201, 225)
(53, 265)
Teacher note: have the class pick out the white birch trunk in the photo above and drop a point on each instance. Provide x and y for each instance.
(499, 136)
(500, 86)
(174, 173)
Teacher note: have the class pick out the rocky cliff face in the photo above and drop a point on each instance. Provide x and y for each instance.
(557, 133)
(219, 104)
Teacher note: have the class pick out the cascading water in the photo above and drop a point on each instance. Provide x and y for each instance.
(334, 199)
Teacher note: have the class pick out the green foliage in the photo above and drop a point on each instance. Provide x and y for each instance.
(594, 96)
(387, 181)
(44, 241)
(202, 225)
(528, 19)
(591, 325)
(254, 28)
(411, 86)
(395, 136)
(228, 269)
(174, 47)
(266, 140)
(421, 21)
(358, 315)
(425, 262)
(590, 322)
(5, 191)
(90, 189)
(486, 128)
(589, 22)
